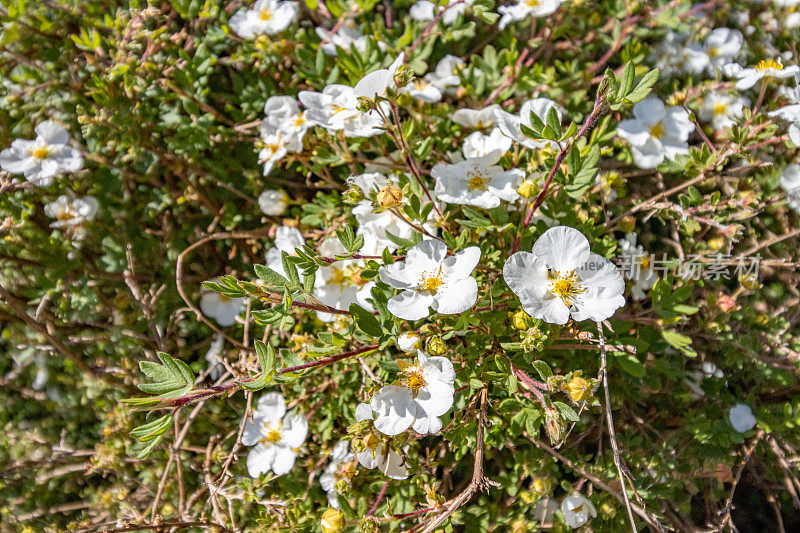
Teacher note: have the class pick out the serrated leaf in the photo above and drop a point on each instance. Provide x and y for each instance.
(271, 277)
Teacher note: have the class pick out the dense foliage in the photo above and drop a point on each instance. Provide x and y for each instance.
(180, 243)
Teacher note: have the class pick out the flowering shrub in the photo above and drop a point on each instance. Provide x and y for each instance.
(384, 266)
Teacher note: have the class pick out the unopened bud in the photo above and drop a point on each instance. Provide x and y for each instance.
(354, 195)
(578, 388)
(542, 486)
(389, 197)
(436, 346)
(409, 342)
(332, 521)
(370, 441)
(528, 188)
(555, 428)
(520, 320)
(370, 524)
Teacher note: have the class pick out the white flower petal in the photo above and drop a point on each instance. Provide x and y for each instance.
(563, 248)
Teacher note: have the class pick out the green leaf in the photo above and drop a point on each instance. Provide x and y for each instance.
(152, 429)
(626, 84)
(543, 369)
(271, 277)
(266, 356)
(366, 321)
(630, 364)
(171, 379)
(643, 88)
(567, 412)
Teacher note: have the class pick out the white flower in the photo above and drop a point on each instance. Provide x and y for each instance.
(638, 266)
(275, 149)
(767, 68)
(656, 132)
(341, 457)
(275, 434)
(476, 118)
(477, 181)
(577, 510)
(336, 108)
(721, 46)
(273, 203)
(790, 182)
(43, 158)
(562, 277)
(381, 456)
(510, 124)
(720, 108)
(422, 89)
(428, 278)
(219, 307)
(409, 341)
(476, 144)
(265, 17)
(376, 83)
(346, 36)
(672, 57)
(527, 8)
(418, 399)
(425, 10)
(71, 211)
(340, 283)
(790, 113)
(282, 116)
(741, 417)
(448, 72)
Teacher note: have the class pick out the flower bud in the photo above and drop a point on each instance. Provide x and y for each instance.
(542, 486)
(520, 320)
(369, 524)
(578, 388)
(332, 521)
(436, 346)
(409, 342)
(389, 197)
(555, 427)
(528, 188)
(273, 203)
(354, 195)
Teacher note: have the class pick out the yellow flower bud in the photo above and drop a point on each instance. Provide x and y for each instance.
(390, 197)
(578, 388)
(542, 485)
(436, 346)
(528, 189)
(520, 320)
(332, 521)
(716, 243)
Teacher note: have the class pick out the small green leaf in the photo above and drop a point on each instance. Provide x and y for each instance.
(366, 321)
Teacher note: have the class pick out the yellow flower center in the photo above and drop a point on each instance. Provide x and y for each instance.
(766, 64)
(565, 285)
(299, 121)
(420, 85)
(224, 299)
(720, 109)
(657, 131)
(431, 282)
(532, 3)
(476, 180)
(644, 261)
(266, 14)
(272, 433)
(713, 52)
(42, 152)
(415, 380)
(336, 108)
(65, 214)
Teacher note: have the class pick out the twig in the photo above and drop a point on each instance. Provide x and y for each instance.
(611, 433)
(478, 481)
